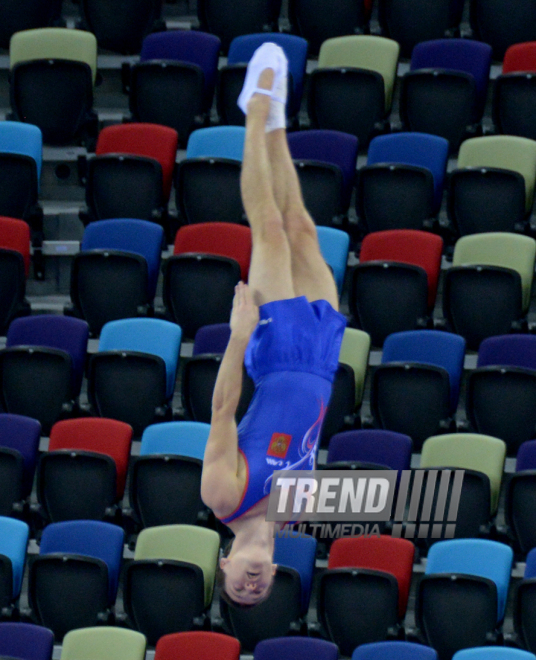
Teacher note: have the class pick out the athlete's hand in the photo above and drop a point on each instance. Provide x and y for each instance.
(245, 313)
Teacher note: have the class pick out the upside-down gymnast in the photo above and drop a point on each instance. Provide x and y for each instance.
(285, 327)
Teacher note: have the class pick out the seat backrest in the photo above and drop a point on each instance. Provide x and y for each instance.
(383, 553)
(467, 55)
(294, 648)
(19, 138)
(54, 43)
(499, 249)
(223, 239)
(22, 434)
(145, 335)
(198, 644)
(526, 456)
(103, 642)
(53, 331)
(89, 538)
(97, 434)
(212, 338)
(334, 246)
(26, 640)
(298, 553)
(441, 349)
(371, 446)
(13, 542)
(15, 235)
(530, 566)
(195, 545)
(139, 139)
(413, 148)
(520, 57)
(398, 650)
(363, 52)
(407, 246)
(181, 438)
(355, 350)
(508, 350)
(480, 557)
(493, 653)
(129, 235)
(473, 451)
(508, 152)
(217, 142)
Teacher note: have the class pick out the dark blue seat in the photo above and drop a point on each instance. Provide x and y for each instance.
(398, 650)
(515, 350)
(298, 553)
(295, 648)
(13, 543)
(374, 446)
(21, 434)
(26, 640)
(212, 338)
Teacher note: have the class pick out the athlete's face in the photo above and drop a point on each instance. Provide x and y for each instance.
(247, 580)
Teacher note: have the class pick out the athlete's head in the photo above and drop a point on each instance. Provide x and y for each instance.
(247, 575)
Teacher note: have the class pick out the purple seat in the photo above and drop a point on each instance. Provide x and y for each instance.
(26, 641)
(328, 146)
(22, 434)
(295, 648)
(191, 46)
(508, 350)
(59, 332)
(385, 448)
(526, 456)
(212, 338)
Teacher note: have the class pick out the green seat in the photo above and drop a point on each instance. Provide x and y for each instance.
(507, 152)
(103, 643)
(188, 543)
(503, 249)
(355, 349)
(54, 43)
(471, 451)
(363, 52)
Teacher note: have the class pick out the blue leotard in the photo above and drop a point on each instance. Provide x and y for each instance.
(292, 358)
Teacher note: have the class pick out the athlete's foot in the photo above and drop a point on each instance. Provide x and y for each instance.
(259, 102)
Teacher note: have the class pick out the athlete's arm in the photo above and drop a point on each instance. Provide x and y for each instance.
(220, 487)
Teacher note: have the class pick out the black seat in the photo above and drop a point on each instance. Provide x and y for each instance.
(322, 188)
(524, 612)
(341, 406)
(520, 509)
(12, 292)
(12, 480)
(17, 15)
(501, 23)
(514, 103)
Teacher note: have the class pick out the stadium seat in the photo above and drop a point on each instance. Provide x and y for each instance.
(13, 544)
(298, 553)
(418, 366)
(487, 291)
(520, 498)
(524, 599)
(355, 350)
(52, 73)
(73, 581)
(165, 480)
(103, 643)
(493, 653)
(398, 650)
(16, 16)
(132, 376)
(199, 644)
(352, 88)
(334, 246)
(498, 23)
(294, 648)
(26, 641)
(217, 142)
(14, 266)
(370, 448)
(179, 560)
(212, 338)
(449, 73)
(83, 474)
(114, 276)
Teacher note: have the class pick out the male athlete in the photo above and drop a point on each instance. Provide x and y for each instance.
(290, 344)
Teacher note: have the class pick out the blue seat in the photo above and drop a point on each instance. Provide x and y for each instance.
(128, 235)
(398, 650)
(26, 640)
(295, 648)
(181, 438)
(54, 331)
(493, 653)
(153, 336)
(242, 48)
(434, 347)
(298, 553)
(212, 338)
(22, 434)
(13, 542)
(23, 139)
(376, 446)
(89, 538)
(334, 245)
(217, 142)
(327, 146)
(478, 557)
(191, 46)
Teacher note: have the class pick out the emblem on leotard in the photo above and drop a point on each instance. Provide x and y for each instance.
(279, 445)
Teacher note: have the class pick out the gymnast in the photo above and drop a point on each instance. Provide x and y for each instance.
(285, 328)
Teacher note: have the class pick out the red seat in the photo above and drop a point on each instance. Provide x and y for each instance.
(520, 57)
(99, 435)
(220, 238)
(149, 140)
(384, 553)
(15, 235)
(198, 645)
(407, 246)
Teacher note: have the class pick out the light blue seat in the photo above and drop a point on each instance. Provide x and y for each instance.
(13, 541)
(181, 438)
(146, 335)
(394, 650)
(25, 139)
(493, 653)
(480, 557)
(217, 142)
(128, 235)
(334, 245)
(298, 553)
